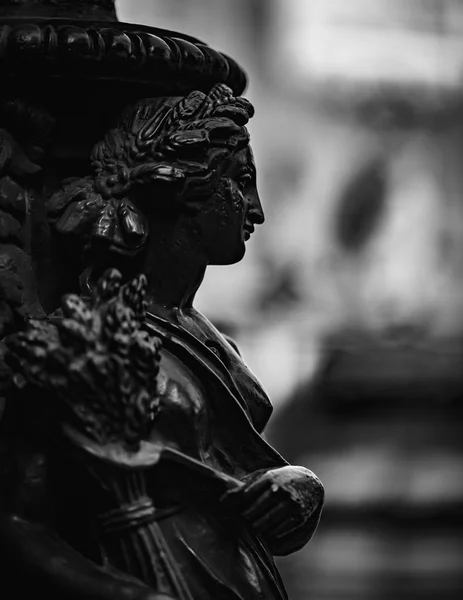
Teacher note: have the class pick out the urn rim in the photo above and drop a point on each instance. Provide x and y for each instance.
(157, 61)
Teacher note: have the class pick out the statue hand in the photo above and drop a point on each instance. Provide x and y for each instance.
(278, 501)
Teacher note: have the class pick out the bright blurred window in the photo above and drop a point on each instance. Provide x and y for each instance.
(414, 41)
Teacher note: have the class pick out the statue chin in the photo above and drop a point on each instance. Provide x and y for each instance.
(230, 260)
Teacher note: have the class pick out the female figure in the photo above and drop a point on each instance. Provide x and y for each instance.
(174, 190)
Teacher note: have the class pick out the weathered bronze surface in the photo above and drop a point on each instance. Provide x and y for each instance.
(132, 458)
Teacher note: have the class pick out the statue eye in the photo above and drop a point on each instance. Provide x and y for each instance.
(244, 180)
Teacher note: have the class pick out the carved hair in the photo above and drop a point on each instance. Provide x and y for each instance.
(174, 144)
(172, 140)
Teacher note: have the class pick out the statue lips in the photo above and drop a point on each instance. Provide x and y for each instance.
(248, 230)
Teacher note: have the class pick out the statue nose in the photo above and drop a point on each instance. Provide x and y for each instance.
(256, 212)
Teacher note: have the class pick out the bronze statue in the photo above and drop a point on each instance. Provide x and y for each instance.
(133, 461)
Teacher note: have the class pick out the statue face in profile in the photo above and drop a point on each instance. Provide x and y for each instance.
(178, 167)
(227, 220)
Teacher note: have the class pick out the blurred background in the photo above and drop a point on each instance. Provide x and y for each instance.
(349, 303)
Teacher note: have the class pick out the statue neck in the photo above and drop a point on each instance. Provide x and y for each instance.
(175, 265)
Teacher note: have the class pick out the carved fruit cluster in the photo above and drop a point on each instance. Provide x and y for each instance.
(97, 360)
